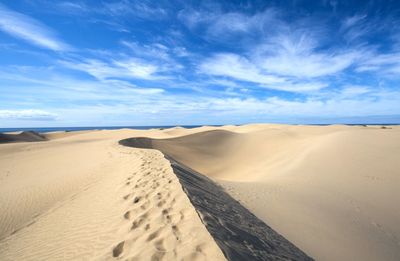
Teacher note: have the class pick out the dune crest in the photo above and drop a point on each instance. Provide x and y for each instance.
(239, 234)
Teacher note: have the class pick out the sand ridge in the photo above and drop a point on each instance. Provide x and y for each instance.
(240, 234)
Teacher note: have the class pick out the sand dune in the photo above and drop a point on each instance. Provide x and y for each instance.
(86, 197)
(24, 136)
(62, 134)
(331, 190)
(239, 234)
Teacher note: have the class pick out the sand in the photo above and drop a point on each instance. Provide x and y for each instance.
(332, 191)
(84, 197)
(238, 232)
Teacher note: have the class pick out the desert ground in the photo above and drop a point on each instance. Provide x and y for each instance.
(332, 191)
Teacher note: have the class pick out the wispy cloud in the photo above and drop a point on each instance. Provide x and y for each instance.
(142, 9)
(126, 69)
(36, 115)
(29, 29)
(74, 7)
(236, 67)
(153, 51)
(386, 64)
(240, 68)
(284, 56)
(351, 91)
(221, 26)
(355, 27)
(297, 55)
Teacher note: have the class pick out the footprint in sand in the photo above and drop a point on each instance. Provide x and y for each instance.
(159, 245)
(127, 215)
(157, 256)
(126, 196)
(145, 205)
(139, 221)
(176, 232)
(161, 203)
(117, 250)
(136, 200)
(153, 235)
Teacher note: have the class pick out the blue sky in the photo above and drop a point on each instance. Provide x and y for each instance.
(97, 63)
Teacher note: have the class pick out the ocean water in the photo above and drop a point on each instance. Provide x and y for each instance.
(51, 129)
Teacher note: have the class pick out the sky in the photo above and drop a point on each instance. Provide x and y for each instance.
(147, 63)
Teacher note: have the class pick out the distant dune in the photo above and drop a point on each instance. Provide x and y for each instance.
(25, 136)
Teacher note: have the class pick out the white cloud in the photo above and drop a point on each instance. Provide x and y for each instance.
(142, 9)
(296, 55)
(219, 26)
(240, 68)
(355, 27)
(354, 90)
(378, 103)
(236, 67)
(223, 82)
(157, 54)
(353, 20)
(29, 29)
(384, 64)
(38, 115)
(154, 51)
(46, 85)
(284, 56)
(136, 68)
(299, 86)
(110, 101)
(73, 7)
(237, 23)
(130, 89)
(131, 69)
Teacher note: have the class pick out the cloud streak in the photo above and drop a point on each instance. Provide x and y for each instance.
(236, 67)
(30, 30)
(296, 55)
(36, 115)
(125, 69)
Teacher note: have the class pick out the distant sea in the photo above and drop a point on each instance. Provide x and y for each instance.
(51, 129)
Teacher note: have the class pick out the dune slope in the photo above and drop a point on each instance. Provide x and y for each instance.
(84, 197)
(331, 190)
(240, 234)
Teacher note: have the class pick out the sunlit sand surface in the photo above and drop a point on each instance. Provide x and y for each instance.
(332, 191)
